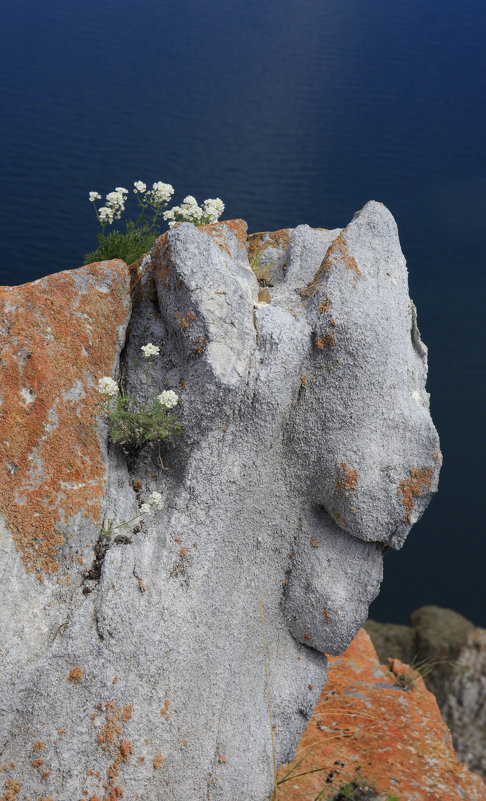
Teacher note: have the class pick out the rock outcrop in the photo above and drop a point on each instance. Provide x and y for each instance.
(376, 736)
(135, 666)
(450, 653)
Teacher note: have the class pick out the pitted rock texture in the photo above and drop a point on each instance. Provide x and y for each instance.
(451, 653)
(307, 449)
(377, 735)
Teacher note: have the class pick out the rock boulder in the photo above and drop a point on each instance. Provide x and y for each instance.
(135, 665)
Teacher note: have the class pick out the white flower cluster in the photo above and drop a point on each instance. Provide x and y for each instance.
(160, 192)
(115, 204)
(190, 211)
(107, 387)
(168, 399)
(154, 503)
(150, 350)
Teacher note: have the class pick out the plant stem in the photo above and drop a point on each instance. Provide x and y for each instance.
(124, 524)
(146, 384)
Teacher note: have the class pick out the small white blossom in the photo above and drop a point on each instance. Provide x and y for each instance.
(150, 350)
(161, 193)
(116, 201)
(213, 209)
(146, 509)
(139, 187)
(168, 399)
(107, 386)
(94, 196)
(155, 500)
(106, 214)
(190, 211)
(121, 190)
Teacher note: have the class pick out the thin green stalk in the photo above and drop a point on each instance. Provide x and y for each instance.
(146, 384)
(120, 525)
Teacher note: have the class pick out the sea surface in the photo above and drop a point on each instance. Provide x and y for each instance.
(291, 111)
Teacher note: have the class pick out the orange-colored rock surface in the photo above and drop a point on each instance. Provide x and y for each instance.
(58, 336)
(378, 724)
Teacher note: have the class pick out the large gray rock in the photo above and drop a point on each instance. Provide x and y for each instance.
(307, 450)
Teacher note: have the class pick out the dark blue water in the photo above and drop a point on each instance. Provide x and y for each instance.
(291, 111)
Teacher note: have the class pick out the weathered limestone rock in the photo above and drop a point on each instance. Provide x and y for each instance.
(451, 653)
(378, 737)
(307, 449)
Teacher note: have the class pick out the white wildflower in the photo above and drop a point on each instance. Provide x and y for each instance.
(94, 196)
(121, 190)
(146, 509)
(213, 209)
(161, 193)
(116, 201)
(107, 386)
(106, 214)
(167, 399)
(150, 350)
(155, 500)
(139, 187)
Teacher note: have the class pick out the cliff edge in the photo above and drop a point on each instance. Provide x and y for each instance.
(134, 666)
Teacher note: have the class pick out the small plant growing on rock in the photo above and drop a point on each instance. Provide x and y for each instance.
(140, 234)
(135, 422)
(153, 504)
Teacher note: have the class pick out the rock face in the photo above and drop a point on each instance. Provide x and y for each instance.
(136, 666)
(375, 736)
(451, 653)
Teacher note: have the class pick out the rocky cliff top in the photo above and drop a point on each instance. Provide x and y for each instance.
(135, 664)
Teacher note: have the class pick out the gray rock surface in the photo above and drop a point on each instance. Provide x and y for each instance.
(450, 653)
(307, 449)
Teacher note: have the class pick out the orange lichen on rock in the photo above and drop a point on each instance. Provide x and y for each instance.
(57, 337)
(414, 487)
(38, 745)
(75, 675)
(165, 709)
(367, 727)
(326, 342)
(267, 239)
(187, 320)
(157, 761)
(347, 479)
(110, 742)
(324, 306)
(217, 231)
(12, 789)
(336, 253)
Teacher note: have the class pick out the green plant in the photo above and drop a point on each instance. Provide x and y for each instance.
(129, 246)
(255, 262)
(147, 508)
(135, 422)
(141, 233)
